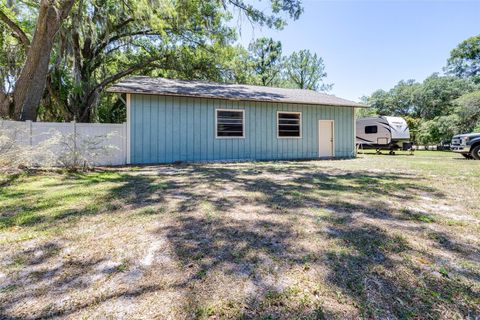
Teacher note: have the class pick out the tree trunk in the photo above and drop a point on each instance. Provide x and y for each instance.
(30, 85)
(5, 105)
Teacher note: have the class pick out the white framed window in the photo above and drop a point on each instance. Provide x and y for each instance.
(229, 123)
(289, 124)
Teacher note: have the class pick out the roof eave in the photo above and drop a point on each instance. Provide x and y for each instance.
(130, 91)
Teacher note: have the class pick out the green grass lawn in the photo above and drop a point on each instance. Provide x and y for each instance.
(376, 237)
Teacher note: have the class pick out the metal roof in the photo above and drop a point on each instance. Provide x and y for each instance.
(239, 92)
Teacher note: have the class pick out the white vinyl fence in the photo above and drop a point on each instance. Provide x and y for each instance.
(109, 140)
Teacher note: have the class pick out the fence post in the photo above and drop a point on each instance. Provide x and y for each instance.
(125, 144)
(74, 142)
(30, 133)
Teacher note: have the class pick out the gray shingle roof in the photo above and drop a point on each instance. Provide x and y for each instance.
(239, 92)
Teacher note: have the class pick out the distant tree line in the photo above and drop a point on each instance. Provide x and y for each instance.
(265, 65)
(440, 106)
(57, 57)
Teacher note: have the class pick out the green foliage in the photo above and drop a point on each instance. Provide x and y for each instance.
(413, 125)
(431, 98)
(438, 129)
(264, 65)
(464, 60)
(238, 67)
(435, 110)
(105, 40)
(399, 101)
(175, 39)
(261, 16)
(305, 70)
(265, 57)
(365, 112)
(12, 52)
(435, 97)
(468, 110)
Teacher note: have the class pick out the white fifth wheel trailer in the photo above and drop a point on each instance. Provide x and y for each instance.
(383, 132)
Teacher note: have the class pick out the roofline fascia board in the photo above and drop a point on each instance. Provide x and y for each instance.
(232, 99)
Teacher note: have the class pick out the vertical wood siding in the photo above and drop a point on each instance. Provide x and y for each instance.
(167, 129)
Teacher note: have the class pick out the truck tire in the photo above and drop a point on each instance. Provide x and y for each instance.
(476, 152)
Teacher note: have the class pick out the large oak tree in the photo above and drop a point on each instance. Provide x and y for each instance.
(464, 60)
(30, 85)
(80, 47)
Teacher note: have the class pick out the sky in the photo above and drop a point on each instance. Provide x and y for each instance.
(370, 45)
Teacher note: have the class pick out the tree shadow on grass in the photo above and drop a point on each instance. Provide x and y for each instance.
(128, 191)
(369, 268)
(239, 250)
(9, 180)
(367, 264)
(233, 243)
(445, 242)
(42, 272)
(43, 276)
(300, 188)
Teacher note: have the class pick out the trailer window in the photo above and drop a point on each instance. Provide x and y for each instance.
(371, 129)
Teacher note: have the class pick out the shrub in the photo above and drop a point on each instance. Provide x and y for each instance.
(68, 150)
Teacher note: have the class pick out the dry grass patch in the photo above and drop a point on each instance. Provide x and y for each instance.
(374, 237)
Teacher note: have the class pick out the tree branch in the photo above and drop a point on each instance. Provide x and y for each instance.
(104, 36)
(117, 37)
(65, 8)
(114, 78)
(125, 72)
(18, 32)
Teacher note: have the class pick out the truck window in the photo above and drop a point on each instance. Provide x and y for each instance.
(371, 129)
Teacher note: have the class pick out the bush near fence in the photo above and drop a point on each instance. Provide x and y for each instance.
(62, 144)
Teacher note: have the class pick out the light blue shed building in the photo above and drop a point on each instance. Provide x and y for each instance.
(172, 120)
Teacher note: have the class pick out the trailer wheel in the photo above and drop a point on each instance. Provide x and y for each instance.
(467, 155)
(476, 152)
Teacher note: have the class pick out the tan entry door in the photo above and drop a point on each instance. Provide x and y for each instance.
(326, 139)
